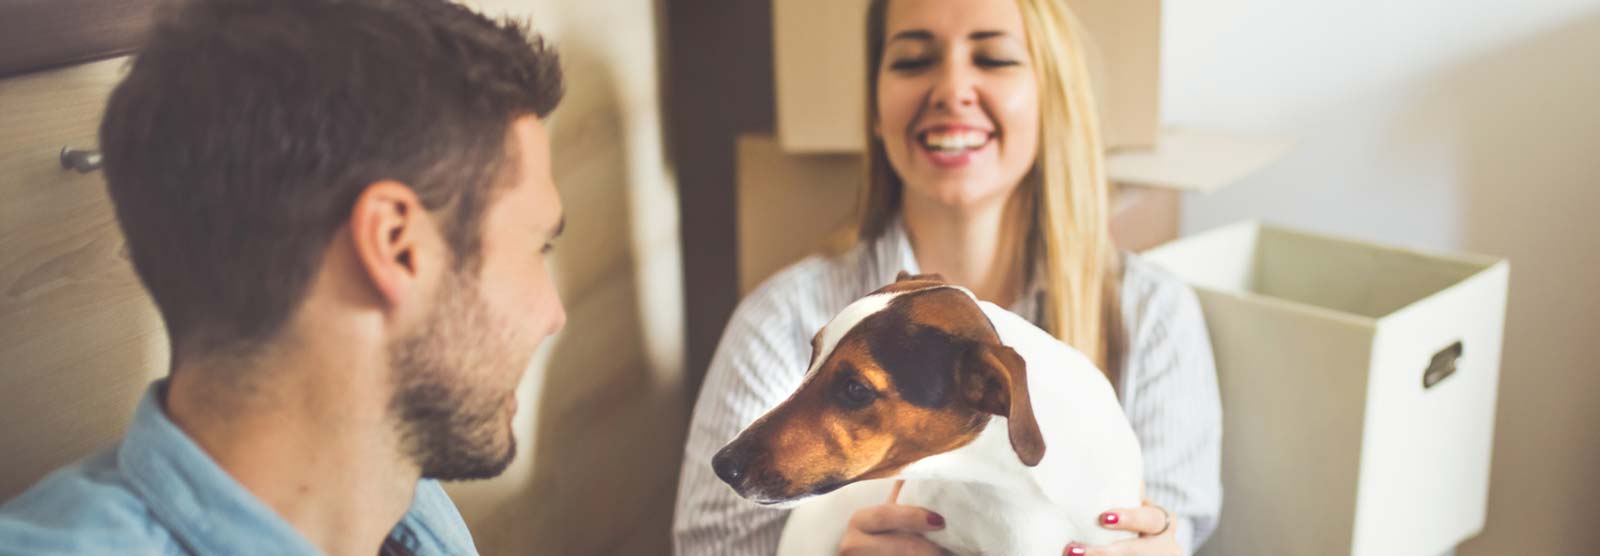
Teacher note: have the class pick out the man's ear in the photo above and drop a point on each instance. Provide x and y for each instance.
(387, 225)
(995, 379)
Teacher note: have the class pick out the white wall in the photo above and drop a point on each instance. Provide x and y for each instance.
(1449, 124)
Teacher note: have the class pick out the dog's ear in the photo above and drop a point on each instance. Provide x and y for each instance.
(995, 380)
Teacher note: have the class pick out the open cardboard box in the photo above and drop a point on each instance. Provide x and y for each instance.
(1358, 387)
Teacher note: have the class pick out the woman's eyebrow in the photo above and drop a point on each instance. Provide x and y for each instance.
(925, 35)
(913, 35)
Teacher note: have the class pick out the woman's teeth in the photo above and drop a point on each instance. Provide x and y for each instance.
(956, 141)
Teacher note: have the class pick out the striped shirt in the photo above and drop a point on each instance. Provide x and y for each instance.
(1168, 390)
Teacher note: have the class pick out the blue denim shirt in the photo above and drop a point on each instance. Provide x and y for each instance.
(156, 493)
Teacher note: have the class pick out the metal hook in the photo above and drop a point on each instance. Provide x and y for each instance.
(82, 160)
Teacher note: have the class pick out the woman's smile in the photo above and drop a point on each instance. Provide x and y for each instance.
(954, 146)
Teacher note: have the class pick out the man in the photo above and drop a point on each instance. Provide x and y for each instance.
(342, 210)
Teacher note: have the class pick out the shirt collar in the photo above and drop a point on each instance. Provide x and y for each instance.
(211, 513)
(205, 508)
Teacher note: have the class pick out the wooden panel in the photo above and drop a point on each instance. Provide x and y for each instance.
(78, 335)
(41, 34)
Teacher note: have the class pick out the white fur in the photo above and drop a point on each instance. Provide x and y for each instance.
(992, 503)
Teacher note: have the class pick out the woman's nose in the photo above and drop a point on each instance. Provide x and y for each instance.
(954, 88)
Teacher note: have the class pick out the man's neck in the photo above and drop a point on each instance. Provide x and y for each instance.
(308, 438)
(977, 247)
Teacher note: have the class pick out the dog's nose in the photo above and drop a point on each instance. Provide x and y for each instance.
(729, 470)
(733, 462)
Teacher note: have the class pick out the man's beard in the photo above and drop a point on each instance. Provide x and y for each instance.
(452, 425)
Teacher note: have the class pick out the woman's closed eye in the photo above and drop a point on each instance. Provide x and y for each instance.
(910, 64)
(988, 62)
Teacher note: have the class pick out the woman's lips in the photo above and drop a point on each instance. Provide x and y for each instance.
(954, 147)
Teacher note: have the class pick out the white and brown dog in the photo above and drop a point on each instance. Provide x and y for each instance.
(921, 381)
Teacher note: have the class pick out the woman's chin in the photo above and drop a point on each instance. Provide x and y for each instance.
(959, 191)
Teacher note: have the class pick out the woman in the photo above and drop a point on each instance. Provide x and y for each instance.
(985, 166)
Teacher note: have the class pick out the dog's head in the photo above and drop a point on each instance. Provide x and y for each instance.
(913, 370)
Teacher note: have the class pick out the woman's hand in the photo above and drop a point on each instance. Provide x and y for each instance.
(891, 529)
(1154, 525)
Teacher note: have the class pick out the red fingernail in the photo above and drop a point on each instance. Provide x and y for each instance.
(1075, 549)
(935, 520)
(1109, 518)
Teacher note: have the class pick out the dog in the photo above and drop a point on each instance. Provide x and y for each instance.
(1015, 438)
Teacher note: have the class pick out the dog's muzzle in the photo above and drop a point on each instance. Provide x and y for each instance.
(745, 466)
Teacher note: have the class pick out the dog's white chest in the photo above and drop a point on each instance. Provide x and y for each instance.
(980, 520)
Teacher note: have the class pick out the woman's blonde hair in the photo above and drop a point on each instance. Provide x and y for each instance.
(1069, 233)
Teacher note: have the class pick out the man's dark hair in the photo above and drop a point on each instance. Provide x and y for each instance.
(246, 129)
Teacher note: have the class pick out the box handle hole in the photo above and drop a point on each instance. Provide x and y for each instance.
(1442, 366)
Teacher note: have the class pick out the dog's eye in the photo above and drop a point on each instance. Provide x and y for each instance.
(856, 395)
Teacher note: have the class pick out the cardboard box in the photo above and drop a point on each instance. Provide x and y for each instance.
(1125, 63)
(819, 50)
(1358, 387)
(789, 205)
